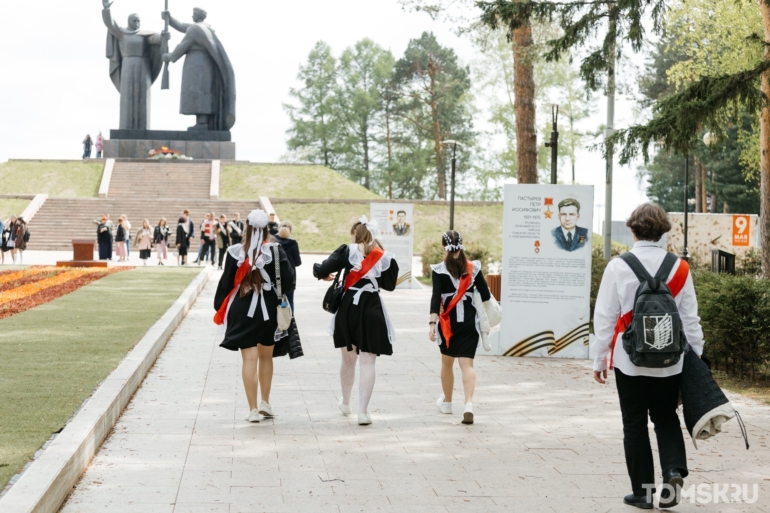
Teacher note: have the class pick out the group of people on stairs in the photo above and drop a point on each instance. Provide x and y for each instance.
(250, 310)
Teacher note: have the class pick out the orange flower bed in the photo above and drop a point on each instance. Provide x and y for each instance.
(22, 290)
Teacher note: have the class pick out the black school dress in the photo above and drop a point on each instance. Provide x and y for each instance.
(243, 331)
(362, 319)
(465, 332)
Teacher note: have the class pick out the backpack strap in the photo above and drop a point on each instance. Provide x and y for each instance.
(666, 267)
(636, 266)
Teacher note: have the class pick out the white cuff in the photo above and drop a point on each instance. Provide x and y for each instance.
(601, 364)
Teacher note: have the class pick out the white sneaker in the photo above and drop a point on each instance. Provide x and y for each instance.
(253, 416)
(344, 408)
(468, 414)
(265, 409)
(364, 419)
(442, 406)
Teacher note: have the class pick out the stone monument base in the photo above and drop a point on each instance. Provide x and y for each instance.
(198, 144)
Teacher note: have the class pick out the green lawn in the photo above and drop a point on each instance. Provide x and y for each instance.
(57, 179)
(323, 227)
(53, 356)
(10, 207)
(288, 181)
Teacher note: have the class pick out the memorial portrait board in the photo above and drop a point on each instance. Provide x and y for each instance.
(546, 271)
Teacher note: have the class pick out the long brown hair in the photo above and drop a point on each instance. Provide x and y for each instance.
(455, 261)
(362, 235)
(252, 280)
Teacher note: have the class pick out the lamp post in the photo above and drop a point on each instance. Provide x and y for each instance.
(554, 144)
(454, 168)
(685, 253)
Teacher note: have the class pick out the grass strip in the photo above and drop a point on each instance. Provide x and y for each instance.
(53, 356)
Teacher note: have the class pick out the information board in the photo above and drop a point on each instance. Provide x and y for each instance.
(546, 271)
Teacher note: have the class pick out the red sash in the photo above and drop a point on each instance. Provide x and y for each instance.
(243, 270)
(675, 285)
(444, 322)
(371, 259)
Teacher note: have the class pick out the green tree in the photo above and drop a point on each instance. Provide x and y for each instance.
(435, 90)
(364, 73)
(315, 129)
(707, 102)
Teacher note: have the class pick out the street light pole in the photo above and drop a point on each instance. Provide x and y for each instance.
(454, 144)
(554, 144)
(685, 253)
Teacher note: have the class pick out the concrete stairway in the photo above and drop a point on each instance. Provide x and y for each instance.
(141, 190)
(148, 179)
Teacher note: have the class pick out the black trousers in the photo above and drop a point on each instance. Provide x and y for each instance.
(658, 397)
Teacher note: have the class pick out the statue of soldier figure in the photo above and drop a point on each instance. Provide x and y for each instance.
(208, 81)
(135, 63)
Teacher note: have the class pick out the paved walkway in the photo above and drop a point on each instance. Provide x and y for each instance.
(546, 437)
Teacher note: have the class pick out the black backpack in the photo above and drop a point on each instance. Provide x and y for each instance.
(655, 337)
(26, 235)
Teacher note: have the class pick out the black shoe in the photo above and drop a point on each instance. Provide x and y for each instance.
(675, 480)
(195, 261)
(638, 501)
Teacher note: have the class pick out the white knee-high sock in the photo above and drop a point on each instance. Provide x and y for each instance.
(347, 373)
(366, 380)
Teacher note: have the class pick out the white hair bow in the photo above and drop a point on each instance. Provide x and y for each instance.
(371, 226)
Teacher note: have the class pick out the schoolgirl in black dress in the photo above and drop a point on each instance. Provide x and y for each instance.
(246, 302)
(453, 315)
(361, 327)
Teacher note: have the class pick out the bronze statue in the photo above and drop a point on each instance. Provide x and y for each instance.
(208, 81)
(135, 62)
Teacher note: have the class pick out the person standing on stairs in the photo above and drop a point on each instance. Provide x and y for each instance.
(222, 229)
(144, 238)
(99, 145)
(104, 237)
(246, 302)
(454, 282)
(182, 241)
(22, 237)
(160, 238)
(87, 142)
(236, 229)
(128, 236)
(361, 327)
(121, 240)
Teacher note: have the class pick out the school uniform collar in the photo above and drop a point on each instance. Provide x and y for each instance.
(645, 244)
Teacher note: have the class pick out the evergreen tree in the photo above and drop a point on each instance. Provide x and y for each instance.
(315, 129)
(435, 89)
(364, 72)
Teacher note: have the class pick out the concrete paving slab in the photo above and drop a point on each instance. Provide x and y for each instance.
(546, 438)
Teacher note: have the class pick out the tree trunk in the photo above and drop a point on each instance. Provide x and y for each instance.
(524, 93)
(367, 183)
(703, 195)
(764, 146)
(437, 133)
(698, 195)
(390, 150)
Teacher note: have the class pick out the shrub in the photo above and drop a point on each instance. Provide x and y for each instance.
(434, 253)
(598, 264)
(749, 264)
(735, 315)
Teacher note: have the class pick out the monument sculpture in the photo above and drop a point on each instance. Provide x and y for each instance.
(135, 62)
(208, 88)
(208, 81)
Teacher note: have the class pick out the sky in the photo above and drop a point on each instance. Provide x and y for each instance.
(55, 87)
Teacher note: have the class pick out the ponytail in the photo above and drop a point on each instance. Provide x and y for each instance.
(455, 260)
(253, 279)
